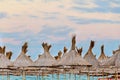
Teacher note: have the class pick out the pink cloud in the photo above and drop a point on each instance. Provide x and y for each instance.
(56, 39)
(10, 40)
(97, 31)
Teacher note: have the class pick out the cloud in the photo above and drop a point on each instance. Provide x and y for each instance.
(85, 4)
(10, 41)
(54, 34)
(113, 4)
(32, 17)
(3, 15)
(89, 21)
(97, 31)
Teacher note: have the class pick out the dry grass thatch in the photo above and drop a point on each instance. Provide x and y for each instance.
(72, 58)
(65, 49)
(90, 57)
(9, 55)
(45, 59)
(79, 50)
(2, 49)
(102, 56)
(114, 60)
(58, 57)
(23, 60)
(4, 61)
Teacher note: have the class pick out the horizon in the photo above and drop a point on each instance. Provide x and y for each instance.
(56, 21)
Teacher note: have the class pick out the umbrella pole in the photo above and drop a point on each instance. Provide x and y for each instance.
(52, 75)
(58, 75)
(69, 76)
(103, 73)
(88, 76)
(39, 74)
(2, 74)
(65, 74)
(80, 74)
(42, 75)
(23, 75)
(8, 76)
(37, 77)
(75, 76)
(116, 75)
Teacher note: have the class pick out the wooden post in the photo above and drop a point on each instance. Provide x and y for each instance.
(88, 76)
(115, 76)
(58, 75)
(2, 74)
(42, 75)
(23, 75)
(79, 75)
(65, 75)
(103, 73)
(8, 76)
(37, 77)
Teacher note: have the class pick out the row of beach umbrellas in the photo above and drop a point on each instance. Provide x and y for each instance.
(72, 57)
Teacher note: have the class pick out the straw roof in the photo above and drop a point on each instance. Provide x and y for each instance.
(45, 59)
(23, 60)
(102, 56)
(65, 49)
(58, 57)
(2, 49)
(90, 57)
(9, 55)
(72, 58)
(114, 60)
(79, 50)
(4, 61)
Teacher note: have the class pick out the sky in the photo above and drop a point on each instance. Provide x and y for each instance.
(56, 21)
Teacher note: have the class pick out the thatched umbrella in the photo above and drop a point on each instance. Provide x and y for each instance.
(102, 58)
(90, 57)
(65, 50)
(4, 61)
(72, 58)
(2, 49)
(114, 60)
(23, 60)
(79, 50)
(9, 55)
(58, 57)
(45, 60)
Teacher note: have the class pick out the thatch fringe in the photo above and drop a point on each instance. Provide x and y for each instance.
(90, 57)
(65, 49)
(79, 50)
(58, 57)
(9, 55)
(102, 56)
(46, 47)
(2, 49)
(73, 42)
(24, 48)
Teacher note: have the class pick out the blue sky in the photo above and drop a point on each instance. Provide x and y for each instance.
(55, 21)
